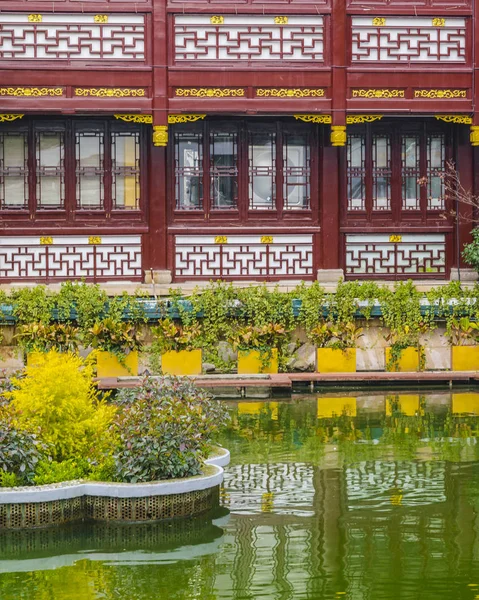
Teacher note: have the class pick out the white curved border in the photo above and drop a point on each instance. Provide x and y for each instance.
(76, 489)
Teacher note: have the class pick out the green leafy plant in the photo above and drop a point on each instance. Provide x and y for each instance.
(38, 337)
(339, 336)
(463, 330)
(20, 451)
(470, 254)
(165, 429)
(169, 336)
(32, 305)
(115, 337)
(55, 472)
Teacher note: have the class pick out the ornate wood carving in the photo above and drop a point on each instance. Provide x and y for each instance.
(7, 118)
(458, 119)
(356, 119)
(31, 91)
(146, 119)
(320, 119)
(209, 92)
(111, 92)
(290, 92)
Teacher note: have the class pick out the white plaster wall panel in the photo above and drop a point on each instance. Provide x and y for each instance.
(249, 37)
(72, 37)
(409, 39)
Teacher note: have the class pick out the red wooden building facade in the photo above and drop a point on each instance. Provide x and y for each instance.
(239, 140)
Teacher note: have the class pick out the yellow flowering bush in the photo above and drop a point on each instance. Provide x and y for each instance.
(58, 400)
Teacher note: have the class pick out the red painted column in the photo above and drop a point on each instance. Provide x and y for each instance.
(330, 255)
(157, 269)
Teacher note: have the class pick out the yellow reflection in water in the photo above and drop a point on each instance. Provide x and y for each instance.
(406, 404)
(335, 407)
(255, 408)
(465, 403)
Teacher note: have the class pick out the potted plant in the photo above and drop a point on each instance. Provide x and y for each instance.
(117, 345)
(463, 334)
(37, 338)
(405, 353)
(178, 347)
(335, 346)
(257, 347)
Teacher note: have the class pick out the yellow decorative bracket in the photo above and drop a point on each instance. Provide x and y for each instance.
(6, 118)
(146, 119)
(474, 137)
(160, 135)
(338, 135)
(457, 119)
(356, 119)
(184, 118)
(322, 119)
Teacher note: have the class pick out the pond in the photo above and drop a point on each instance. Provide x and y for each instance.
(347, 495)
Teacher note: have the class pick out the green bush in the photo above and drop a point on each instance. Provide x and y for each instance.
(165, 430)
(471, 251)
(55, 472)
(20, 452)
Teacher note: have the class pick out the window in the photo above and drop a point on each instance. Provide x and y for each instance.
(72, 165)
(385, 166)
(243, 168)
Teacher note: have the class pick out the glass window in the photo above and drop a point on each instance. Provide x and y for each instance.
(356, 166)
(410, 173)
(13, 170)
(296, 172)
(381, 172)
(224, 169)
(189, 170)
(89, 170)
(435, 167)
(50, 169)
(125, 169)
(262, 169)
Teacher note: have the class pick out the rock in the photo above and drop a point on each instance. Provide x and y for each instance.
(291, 348)
(226, 352)
(304, 359)
(208, 368)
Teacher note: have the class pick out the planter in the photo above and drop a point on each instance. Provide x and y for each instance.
(108, 365)
(331, 360)
(250, 362)
(465, 358)
(408, 361)
(184, 362)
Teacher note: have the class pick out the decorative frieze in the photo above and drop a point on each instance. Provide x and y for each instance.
(8, 118)
(148, 119)
(26, 92)
(72, 36)
(111, 92)
(145, 119)
(319, 119)
(457, 119)
(209, 92)
(357, 119)
(440, 94)
(383, 93)
(290, 92)
(187, 118)
(249, 38)
(409, 39)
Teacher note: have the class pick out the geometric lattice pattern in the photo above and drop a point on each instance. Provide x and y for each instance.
(244, 256)
(72, 37)
(249, 37)
(70, 257)
(416, 255)
(104, 508)
(409, 39)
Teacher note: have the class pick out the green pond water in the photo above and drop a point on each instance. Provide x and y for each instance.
(354, 496)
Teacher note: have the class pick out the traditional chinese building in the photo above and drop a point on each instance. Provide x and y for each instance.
(246, 140)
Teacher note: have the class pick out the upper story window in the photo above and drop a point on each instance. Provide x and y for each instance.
(385, 166)
(75, 165)
(244, 168)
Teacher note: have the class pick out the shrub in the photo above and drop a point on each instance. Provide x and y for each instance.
(55, 472)
(37, 337)
(20, 452)
(114, 337)
(165, 430)
(58, 398)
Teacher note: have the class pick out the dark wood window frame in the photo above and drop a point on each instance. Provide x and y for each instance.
(243, 213)
(69, 211)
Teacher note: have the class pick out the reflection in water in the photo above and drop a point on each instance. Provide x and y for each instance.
(364, 497)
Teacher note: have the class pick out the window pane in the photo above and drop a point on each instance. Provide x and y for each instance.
(356, 172)
(89, 169)
(262, 167)
(13, 170)
(189, 170)
(224, 169)
(125, 155)
(50, 150)
(381, 148)
(410, 173)
(436, 156)
(296, 172)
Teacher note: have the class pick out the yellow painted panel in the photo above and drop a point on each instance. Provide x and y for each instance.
(250, 362)
(185, 362)
(107, 365)
(407, 404)
(465, 358)
(335, 407)
(329, 360)
(409, 360)
(465, 403)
